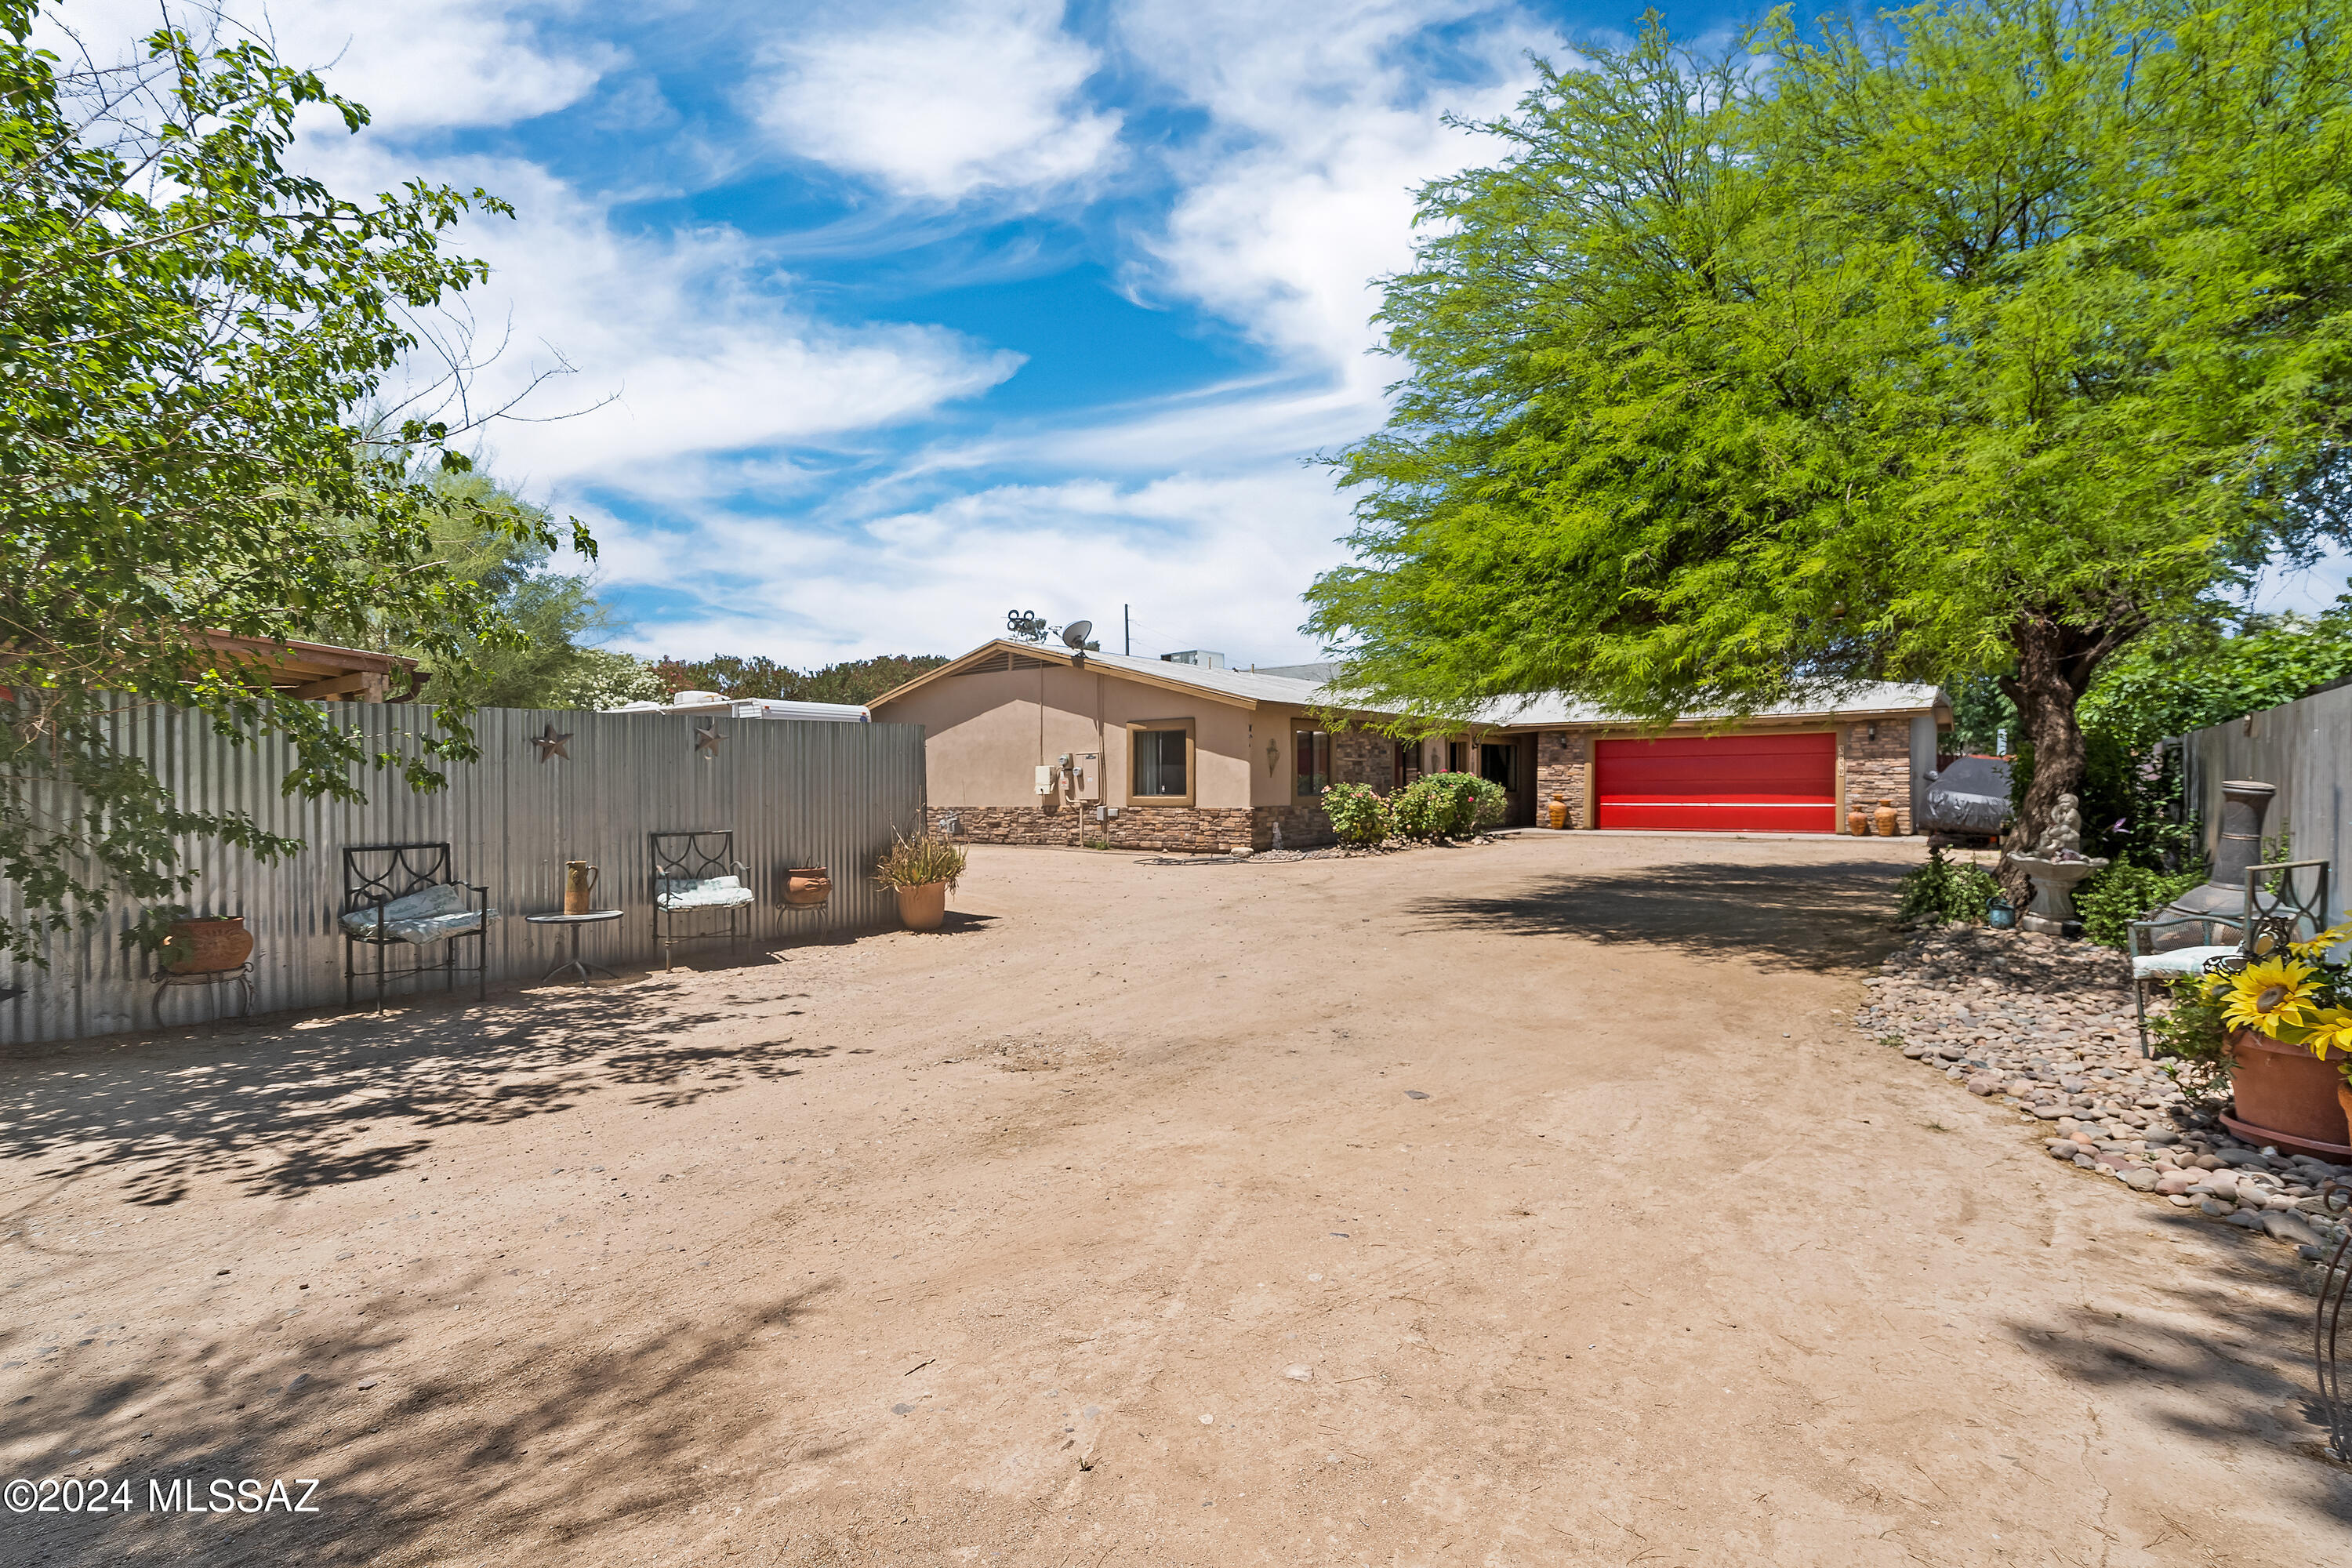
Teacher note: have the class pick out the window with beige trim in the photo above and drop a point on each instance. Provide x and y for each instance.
(1160, 763)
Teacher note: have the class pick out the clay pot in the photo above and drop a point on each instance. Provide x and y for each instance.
(2283, 1095)
(807, 887)
(1560, 811)
(207, 946)
(579, 887)
(923, 907)
(1857, 822)
(1885, 819)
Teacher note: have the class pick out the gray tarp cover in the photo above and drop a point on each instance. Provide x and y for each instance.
(1970, 796)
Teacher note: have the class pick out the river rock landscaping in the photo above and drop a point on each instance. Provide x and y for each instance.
(2046, 1026)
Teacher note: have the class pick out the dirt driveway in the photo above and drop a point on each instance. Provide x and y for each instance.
(1531, 1202)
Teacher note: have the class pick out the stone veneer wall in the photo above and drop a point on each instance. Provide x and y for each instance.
(1201, 830)
(1877, 770)
(1562, 758)
(1359, 756)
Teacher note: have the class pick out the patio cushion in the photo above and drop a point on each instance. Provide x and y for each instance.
(2180, 961)
(429, 915)
(700, 893)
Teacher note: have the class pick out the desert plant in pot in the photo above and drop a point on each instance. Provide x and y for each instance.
(921, 871)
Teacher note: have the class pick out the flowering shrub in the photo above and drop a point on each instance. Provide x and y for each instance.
(1447, 805)
(1357, 815)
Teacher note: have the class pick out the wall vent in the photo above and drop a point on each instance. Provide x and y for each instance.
(997, 664)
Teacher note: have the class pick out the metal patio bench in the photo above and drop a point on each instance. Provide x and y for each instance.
(2267, 922)
(402, 899)
(696, 877)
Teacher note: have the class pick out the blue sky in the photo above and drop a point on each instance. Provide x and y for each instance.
(880, 319)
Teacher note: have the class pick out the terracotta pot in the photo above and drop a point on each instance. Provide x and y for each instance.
(207, 946)
(925, 907)
(2283, 1095)
(579, 887)
(1560, 811)
(1885, 819)
(807, 886)
(1857, 822)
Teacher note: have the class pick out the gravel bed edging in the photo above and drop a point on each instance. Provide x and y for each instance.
(2046, 1026)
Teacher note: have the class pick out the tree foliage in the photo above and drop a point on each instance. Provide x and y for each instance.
(536, 653)
(1980, 338)
(853, 682)
(186, 328)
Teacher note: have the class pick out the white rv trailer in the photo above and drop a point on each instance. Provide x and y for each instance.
(712, 703)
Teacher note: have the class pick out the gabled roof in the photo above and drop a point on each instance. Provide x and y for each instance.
(1863, 699)
(1240, 688)
(1248, 688)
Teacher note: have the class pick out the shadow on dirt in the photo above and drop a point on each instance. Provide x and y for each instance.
(506, 1454)
(1816, 917)
(2222, 1390)
(290, 1107)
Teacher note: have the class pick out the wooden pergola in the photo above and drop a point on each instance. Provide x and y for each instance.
(316, 671)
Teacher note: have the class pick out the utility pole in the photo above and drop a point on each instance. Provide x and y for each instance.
(1126, 629)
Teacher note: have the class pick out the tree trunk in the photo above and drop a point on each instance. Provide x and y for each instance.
(2055, 662)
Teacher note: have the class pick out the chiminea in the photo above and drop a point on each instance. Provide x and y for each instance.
(2244, 804)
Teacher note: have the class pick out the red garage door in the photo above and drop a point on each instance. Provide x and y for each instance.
(1721, 784)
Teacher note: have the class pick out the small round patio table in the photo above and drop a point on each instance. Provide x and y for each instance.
(594, 917)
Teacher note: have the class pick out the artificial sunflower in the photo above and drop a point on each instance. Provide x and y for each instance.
(2329, 1029)
(2315, 950)
(2273, 994)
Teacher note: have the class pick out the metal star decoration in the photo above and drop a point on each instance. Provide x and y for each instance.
(550, 744)
(706, 739)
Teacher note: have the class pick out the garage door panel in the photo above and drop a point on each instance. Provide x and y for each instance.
(1781, 783)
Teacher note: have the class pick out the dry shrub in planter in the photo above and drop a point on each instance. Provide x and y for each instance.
(919, 862)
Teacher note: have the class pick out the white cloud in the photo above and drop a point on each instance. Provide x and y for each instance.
(1207, 561)
(944, 103)
(684, 345)
(1324, 117)
(417, 65)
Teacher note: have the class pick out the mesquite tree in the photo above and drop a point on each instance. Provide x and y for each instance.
(1979, 337)
(190, 336)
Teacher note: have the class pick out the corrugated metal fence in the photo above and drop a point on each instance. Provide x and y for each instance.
(2303, 747)
(795, 792)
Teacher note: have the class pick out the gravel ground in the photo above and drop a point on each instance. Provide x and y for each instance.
(2047, 1027)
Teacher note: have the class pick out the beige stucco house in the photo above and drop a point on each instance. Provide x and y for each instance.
(1030, 744)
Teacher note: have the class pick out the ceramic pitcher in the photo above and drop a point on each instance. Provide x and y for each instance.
(579, 887)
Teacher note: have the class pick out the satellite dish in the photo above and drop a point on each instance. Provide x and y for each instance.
(1074, 634)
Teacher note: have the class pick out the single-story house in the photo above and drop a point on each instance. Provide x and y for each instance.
(1033, 743)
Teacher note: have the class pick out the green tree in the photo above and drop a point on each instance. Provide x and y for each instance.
(187, 331)
(536, 650)
(1983, 337)
(853, 682)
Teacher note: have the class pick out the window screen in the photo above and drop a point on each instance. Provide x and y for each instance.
(1159, 761)
(1312, 747)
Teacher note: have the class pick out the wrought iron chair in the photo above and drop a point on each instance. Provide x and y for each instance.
(695, 874)
(405, 896)
(2295, 909)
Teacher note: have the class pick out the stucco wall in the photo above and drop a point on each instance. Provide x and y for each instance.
(987, 734)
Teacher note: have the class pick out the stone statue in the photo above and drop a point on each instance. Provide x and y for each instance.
(2056, 864)
(2063, 839)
